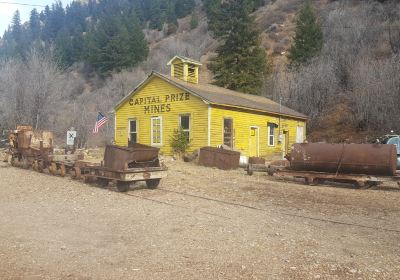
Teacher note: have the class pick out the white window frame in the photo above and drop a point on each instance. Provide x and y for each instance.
(297, 134)
(190, 125)
(161, 131)
(232, 132)
(137, 129)
(269, 126)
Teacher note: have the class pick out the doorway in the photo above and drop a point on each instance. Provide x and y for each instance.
(285, 143)
(253, 142)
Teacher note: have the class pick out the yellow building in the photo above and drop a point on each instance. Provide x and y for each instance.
(210, 115)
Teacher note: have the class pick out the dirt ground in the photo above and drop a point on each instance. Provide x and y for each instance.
(201, 223)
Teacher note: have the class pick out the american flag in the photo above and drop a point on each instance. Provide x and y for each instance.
(101, 119)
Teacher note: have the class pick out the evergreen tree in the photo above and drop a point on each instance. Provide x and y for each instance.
(184, 7)
(16, 29)
(241, 62)
(16, 45)
(34, 25)
(116, 43)
(194, 21)
(112, 29)
(308, 39)
(155, 15)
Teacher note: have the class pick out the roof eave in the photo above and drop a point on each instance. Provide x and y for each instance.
(184, 60)
(262, 111)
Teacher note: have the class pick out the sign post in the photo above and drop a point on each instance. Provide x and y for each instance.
(71, 135)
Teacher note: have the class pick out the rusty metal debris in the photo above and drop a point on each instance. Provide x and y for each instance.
(124, 165)
(220, 158)
(364, 165)
(370, 159)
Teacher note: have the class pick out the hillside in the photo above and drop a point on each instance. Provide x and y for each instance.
(350, 90)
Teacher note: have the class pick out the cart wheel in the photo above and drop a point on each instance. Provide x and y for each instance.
(315, 182)
(123, 186)
(366, 184)
(76, 173)
(88, 179)
(63, 170)
(152, 184)
(13, 161)
(5, 158)
(250, 170)
(35, 165)
(103, 182)
(53, 168)
(25, 163)
(40, 167)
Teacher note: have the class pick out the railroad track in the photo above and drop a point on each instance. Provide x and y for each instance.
(258, 209)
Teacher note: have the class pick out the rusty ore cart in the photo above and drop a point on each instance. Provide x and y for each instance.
(125, 165)
(364, 165)
(35, 149)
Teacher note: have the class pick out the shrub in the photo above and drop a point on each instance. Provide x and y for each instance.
(179, 141)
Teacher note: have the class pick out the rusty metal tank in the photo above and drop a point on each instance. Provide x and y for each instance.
(119, 158)
(370, 159)
(34, 139)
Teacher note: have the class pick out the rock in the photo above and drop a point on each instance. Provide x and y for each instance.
(273, 28)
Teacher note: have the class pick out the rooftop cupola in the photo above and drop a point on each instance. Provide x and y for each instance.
(185, 69)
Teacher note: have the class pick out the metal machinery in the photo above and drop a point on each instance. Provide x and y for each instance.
(125, 165)
(364, 165)
(29, 148)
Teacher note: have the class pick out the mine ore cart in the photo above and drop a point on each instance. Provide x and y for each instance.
(34, 149)
(125, 165)
(364, 165)
(27, 148)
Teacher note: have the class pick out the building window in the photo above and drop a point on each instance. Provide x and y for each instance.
(133, 130)
(299, 134)
(228, 132)
(271, 134)
(156, 131)
(184, 122)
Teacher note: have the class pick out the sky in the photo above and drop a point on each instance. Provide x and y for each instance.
(7, 10)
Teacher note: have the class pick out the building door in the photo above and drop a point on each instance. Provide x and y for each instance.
(299, 134)
(285, 143)
(253, 145)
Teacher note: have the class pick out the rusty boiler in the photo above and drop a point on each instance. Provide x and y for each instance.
(369, 159)
(34, 139)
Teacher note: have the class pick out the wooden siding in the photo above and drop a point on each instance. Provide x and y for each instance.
(243, 120)
(158, 88)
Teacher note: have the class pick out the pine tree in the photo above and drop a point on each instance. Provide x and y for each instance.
(241, 62)
(34, 25)
(308, 39)
(116, 43)
(194, 21)
(16, 26)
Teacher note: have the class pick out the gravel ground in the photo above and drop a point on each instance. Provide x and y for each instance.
(201, 223)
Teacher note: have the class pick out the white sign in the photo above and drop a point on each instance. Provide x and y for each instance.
(71, 135)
